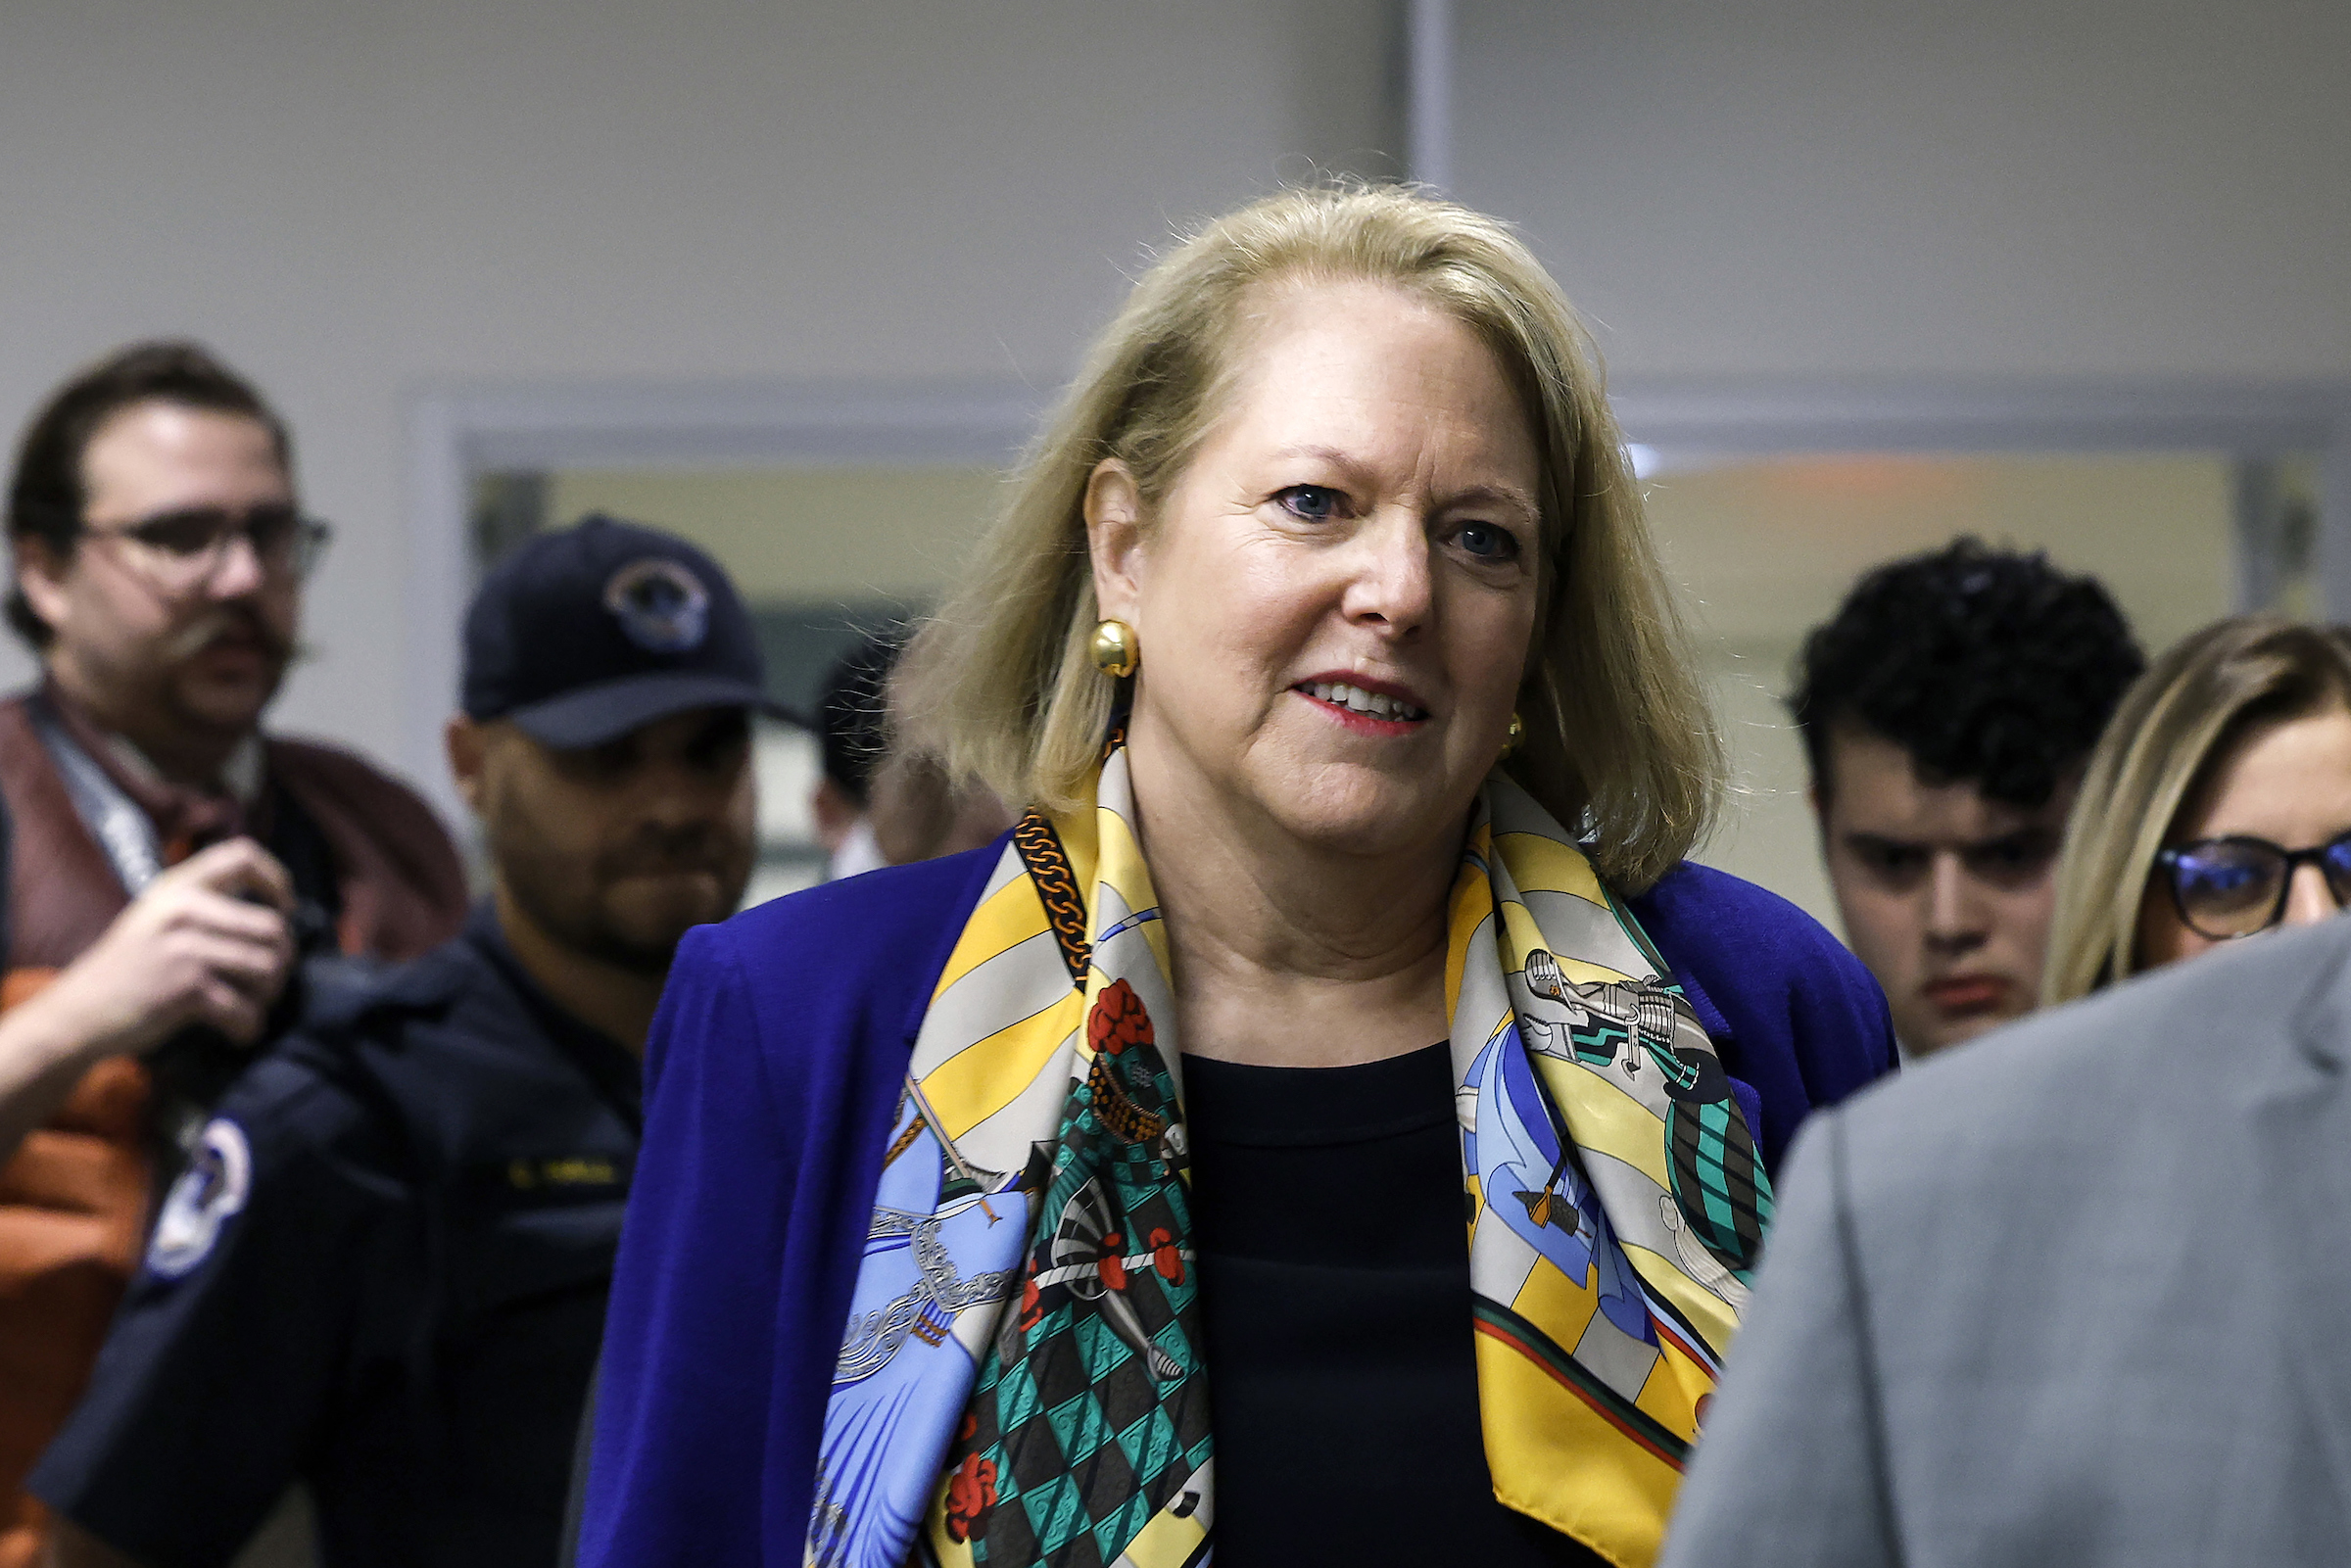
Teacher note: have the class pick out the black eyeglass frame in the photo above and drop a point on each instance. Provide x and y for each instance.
(2294, 859)
(307, 539)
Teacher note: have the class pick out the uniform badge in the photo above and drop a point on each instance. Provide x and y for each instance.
(663, 606)
(213, 1188)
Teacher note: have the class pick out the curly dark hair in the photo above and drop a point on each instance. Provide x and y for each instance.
(1990, 667)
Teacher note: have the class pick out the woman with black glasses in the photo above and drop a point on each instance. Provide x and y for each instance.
(2216, 805)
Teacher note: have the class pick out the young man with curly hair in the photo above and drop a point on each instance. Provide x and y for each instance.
(1947, 710)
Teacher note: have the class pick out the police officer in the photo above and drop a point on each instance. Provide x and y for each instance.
(385, 1273)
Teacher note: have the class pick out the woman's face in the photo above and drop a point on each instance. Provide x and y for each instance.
(2288, 783)
(1336, 603)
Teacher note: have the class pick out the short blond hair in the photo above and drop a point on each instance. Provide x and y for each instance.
(2171, 733)
(1620, 738)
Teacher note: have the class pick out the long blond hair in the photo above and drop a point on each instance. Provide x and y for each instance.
(2170, 736)
(998, 683)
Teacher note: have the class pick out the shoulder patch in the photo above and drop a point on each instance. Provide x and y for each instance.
(207, 1194)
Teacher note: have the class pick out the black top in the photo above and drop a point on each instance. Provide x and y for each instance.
(384, 1274)
(1334, 1287)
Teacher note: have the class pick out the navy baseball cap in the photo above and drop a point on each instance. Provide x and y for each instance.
(587, 633)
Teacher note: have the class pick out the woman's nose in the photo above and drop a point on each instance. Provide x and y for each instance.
(1393, 583)
(2308, 898)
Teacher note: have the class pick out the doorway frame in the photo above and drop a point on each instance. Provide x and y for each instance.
(460, 431)
(2255, 424)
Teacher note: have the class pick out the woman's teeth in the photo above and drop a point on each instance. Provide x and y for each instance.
(1357, 700)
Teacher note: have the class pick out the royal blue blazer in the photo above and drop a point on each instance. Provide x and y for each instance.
(772, 1075)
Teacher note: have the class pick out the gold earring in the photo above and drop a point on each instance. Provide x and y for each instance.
(1115, 652)
(1514, 737)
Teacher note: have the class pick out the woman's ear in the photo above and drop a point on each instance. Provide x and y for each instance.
(1114, 536)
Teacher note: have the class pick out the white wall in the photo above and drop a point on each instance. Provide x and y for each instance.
(354, 203)
(357, 203)
(1992, 187)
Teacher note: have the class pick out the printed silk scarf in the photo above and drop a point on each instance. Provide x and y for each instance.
(1021, 1380)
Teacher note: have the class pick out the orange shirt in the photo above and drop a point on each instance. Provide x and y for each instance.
(76, 1199)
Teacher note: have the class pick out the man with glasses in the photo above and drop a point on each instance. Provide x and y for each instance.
(167, 863)
(385, 1275)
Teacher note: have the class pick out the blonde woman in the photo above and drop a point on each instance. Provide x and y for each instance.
(1099, 1196)
(2216, 805)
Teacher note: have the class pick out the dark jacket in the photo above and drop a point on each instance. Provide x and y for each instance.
(388, 1284)
(74, 1199)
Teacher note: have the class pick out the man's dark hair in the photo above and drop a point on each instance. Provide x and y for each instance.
(1988, 666)
(46, 492)
(853, 714)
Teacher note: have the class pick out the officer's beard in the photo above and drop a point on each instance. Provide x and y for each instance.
(632, 904)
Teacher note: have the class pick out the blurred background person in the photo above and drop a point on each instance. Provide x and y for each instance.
(385, 1275)
(166, 858)
(851, 729)
(1336, 521)
(877, 805)
(2217, 805)
(919, 812)
(1947, 712)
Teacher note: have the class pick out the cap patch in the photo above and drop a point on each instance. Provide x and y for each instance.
(660, 604)
(212, 1189)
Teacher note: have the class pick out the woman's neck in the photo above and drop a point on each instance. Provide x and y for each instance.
(1288, 953)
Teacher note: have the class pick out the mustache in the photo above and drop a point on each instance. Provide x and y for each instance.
(669, 851)
(228, 620)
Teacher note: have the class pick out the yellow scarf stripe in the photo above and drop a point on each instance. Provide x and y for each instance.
(1005, 918)
(974, 1084)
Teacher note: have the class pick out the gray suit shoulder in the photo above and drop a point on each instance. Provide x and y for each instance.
(2155, 1046)
(2042, 1300)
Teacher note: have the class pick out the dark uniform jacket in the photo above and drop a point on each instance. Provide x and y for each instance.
(383, 1275)
(364, 853)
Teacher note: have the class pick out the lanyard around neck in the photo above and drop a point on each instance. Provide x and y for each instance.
(123, 831)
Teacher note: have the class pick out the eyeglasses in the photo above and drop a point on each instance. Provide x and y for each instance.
(182, 550)
(2229, 888)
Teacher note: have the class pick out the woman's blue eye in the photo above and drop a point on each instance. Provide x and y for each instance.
(1487, 541)
(1311, 501)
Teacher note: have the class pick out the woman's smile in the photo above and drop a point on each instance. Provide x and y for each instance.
(1366, 705)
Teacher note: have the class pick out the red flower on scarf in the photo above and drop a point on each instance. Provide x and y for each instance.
(1118, 1021)
(1111, 1265)
(971, 1492)
(1031, 1309)
(1167, 1257)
